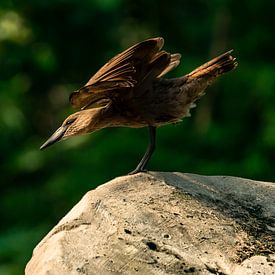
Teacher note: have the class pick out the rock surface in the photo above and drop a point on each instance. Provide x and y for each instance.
(165, 223)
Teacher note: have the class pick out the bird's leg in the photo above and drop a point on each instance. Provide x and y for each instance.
(150, 149)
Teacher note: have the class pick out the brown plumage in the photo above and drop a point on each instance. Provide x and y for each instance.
(130, 91)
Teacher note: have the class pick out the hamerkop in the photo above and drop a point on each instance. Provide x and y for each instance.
(131, 91)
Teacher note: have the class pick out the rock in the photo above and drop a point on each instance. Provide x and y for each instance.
(164, 223)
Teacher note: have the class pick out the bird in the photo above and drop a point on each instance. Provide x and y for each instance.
(130, 90)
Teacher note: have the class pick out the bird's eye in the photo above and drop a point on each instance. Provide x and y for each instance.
(70, 121)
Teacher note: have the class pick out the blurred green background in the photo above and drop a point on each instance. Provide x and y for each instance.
(50, 48)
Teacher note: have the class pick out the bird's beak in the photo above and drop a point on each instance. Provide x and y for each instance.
(58, 134)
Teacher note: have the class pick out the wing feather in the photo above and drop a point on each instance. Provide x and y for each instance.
(127, 60)
(125, 71)
(174, 62)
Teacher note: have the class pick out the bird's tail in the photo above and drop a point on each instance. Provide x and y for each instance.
(215, 67)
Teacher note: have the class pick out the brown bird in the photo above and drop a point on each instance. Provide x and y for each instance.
(130, 91)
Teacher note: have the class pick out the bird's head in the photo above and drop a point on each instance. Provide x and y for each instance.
(79, 123)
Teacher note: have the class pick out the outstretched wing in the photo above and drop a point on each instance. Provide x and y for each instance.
(125, 71)
(124, 66)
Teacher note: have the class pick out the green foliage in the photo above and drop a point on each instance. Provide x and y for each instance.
(49, 48)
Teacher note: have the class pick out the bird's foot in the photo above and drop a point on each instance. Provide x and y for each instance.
(138, 170)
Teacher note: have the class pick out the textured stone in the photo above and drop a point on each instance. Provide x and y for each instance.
(164, 223)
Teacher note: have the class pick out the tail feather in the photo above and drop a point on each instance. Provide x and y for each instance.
(216, 66)
(200, 78)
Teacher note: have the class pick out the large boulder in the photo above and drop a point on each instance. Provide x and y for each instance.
(164, 223)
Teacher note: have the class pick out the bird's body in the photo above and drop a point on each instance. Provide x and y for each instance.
(130, 91)
(164, 102)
